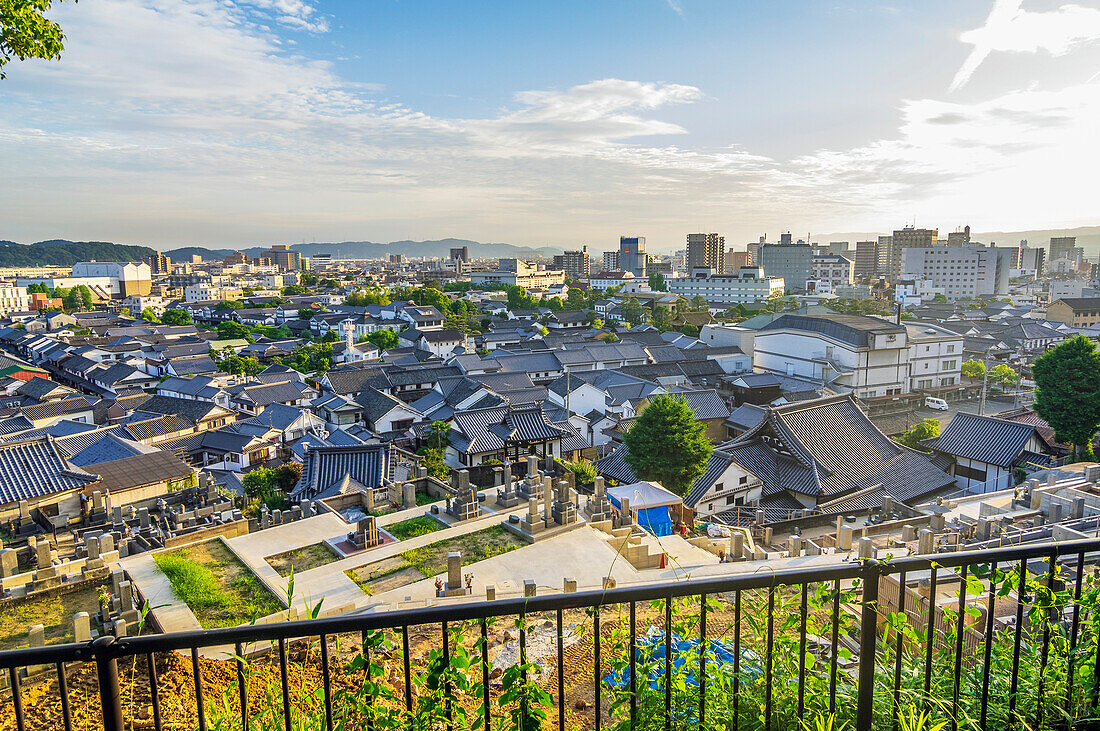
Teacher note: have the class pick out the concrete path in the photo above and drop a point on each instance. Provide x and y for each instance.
(168, 610)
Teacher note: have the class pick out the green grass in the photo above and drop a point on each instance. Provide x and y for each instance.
(429, 560)
(216, 586)
(303, 559)
(54, 613)
(413, 527)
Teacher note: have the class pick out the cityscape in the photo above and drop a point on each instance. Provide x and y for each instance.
(629, 472)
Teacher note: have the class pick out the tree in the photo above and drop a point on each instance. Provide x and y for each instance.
(288, 475)
(437, 434)
(661, 317)
(148, 315)
(307, 279)
(940, 298)
(25, 32)
(632, 311)
(177, 317)
(292, 290)
(973, 369)
(583, 471)
(1004, 375)
(1067, 391)
(262, 487)
(699, 303)
(383, 339)
(230, 330)
(926, 429)
(667, 444)
(362, 298)
(229, 305)
(238, 366)
(330, 337)
(690, 330)
(435, 464)
(38, 288)
(305, 313)
(657, 282)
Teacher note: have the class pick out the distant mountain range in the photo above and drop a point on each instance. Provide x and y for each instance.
(59, 252)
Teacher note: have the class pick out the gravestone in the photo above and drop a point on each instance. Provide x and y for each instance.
(143, 518)
(794, 547)
(36, 637)
(599, 506)
(9, 562)
(490, 592)
(82, 627)
(564, 511)
(366, 534)
(463, 505)
(866, 548)
(844, 538)
(569, 586)
(737, 546)
(925, 542)
(454, 585)
(529, 588)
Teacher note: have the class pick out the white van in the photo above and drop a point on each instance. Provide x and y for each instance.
(935, 403)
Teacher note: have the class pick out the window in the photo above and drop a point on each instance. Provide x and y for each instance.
(950, 348)
(744, 480)
(949, 365)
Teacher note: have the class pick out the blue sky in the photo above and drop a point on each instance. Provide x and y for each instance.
(231, 123)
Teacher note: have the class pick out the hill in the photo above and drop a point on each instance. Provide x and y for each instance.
(185, 253)
(439, 247)
(58, 252)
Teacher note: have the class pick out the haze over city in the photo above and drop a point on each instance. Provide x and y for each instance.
(170, 123)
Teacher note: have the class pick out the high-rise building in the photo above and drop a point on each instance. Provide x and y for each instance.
(959, 237)
(461, 253)
(575, 264)
(1032, 259)
(793, 263)
(158, 263)
(1060, 247)
(840, 248)
(196, 259)
(734, 260)
(865, 259)
(396, 258)
(284, 257)
(961, 271)
(907, 238)
(237, 257)
(754, 252)
(882, 255)
(705, 251)
(632, 257)
(611, 261)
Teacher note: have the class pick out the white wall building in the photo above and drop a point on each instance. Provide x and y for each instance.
(935, 357)
(748, 285)
(834, 270)
(13, 299)
(962, 271)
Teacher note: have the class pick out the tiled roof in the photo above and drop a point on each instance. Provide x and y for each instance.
(107, 449)
(984, 438)
(190, 409)
(56, 408)
(851, 329)
(139, 470)
(324, 467)
(158, 426)
(34, 468)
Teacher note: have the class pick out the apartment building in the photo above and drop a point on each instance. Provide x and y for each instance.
(935, 356)
(520, 273)
(833, 270)
(13, 298)
(750, 284)
(1075, 311)
(961, 271)
(866, 255)
(793, 263)
(705, 251)
(575, 264)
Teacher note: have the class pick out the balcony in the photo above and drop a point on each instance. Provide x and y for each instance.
(1005, 638)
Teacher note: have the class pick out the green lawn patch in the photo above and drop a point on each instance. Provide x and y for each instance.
(216, 586)
(54, 613)
(413, 527)
(303, 559)
(421, 563)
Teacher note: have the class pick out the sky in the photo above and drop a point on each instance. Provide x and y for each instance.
(231, 123)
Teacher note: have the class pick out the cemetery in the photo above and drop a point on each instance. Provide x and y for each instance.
(303, 559)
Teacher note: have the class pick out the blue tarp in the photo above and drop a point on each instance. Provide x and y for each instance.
(655, 520)
(651, 649)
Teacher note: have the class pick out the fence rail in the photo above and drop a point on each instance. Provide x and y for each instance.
(945, 656)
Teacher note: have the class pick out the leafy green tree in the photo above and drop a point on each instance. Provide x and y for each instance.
(362, 298)
(176, 317)
(699, 303)
(576, 299)
(940, 298)
(148, 315)
(690, 330)
(330, 337)
(657, 282)
(292, 290)
(437, 434)
(305, 313)
(287, 476)
(434, 463)
(518, 299)
(307, 279)
(238, 366)
(229, 305)
(661, 317)
(632, 310)
(667, 444)
(1004, 375)
(1067, 391)
(925, 429)
(38, 288)
(26, 32)
(230, 330)
(973, 369)
(583, 470)
(383, 339)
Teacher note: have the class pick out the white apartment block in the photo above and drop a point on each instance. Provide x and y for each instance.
(833, 270)
(519, 273)
(935, 357)
(13, 299)
(962, 271)
(748, 285)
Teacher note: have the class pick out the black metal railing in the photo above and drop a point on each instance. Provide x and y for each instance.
(1033, 665)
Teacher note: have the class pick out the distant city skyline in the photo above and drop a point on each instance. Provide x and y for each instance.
(225, 124)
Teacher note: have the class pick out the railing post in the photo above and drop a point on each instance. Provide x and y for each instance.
(110, 696)
(868, 638)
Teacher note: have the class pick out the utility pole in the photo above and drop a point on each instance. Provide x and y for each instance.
(985, 382)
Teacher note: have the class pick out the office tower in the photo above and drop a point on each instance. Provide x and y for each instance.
(611, 261)
(396, 258)
(882, 255)
(575, 264)
(961, 271)
(840, 248)
(793, 263)
(632, 257)
(907, 238)
(237, 257)
(283, 257)
(705, 251)
(865, 259)
(959, 237)
(734, 260)
(1032, 259)
(1060, 247)
(461, 253)
(159, 263)
(754, 251)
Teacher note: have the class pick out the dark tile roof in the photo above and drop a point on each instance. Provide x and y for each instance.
(324, 467)
(139, 470)
(984, 438)
(56, 408)
(190, 409)
(158, 426)
(35, 468)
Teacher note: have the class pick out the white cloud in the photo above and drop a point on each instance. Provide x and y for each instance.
(1010, 28)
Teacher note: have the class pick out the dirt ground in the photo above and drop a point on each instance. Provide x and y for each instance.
(302, 559)
(54, 613)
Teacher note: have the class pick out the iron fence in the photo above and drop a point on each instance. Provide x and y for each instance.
(1042, 588)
